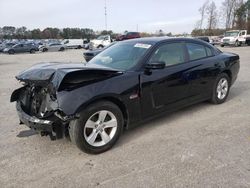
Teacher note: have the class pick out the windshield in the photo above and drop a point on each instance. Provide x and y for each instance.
(121, 56)
(102, 37)
(231, 34)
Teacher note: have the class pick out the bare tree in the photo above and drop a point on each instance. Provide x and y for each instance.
(211, 16)
(202, 11)
(229, 8)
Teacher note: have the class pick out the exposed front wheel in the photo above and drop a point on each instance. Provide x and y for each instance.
(98, 128)
(221, 89)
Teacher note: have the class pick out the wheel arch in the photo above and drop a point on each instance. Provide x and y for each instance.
(114, 99)
(229, 73)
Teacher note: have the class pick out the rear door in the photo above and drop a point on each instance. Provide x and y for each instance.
(202, 63)
(19, 48)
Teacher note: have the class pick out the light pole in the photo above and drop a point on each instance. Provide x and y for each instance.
(105, 13)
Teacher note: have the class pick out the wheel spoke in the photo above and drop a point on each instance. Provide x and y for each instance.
(105, 137)
(92, 137)
(224, 91)
(111, 123)
(90, 124)
(219, 94)
(102, 115)
(224, 83)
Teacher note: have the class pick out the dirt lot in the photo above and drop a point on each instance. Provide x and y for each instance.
(201, 146)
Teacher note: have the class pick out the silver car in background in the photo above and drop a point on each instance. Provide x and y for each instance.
(52, 47)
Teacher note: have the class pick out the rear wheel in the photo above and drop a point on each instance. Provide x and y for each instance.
(11, 51)
(32, 51)
(100, 47)
(98, 128)
(221, 89)
(62, 49)
(45, 50)
(237, 43)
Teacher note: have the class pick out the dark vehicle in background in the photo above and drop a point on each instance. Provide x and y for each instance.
(88, 55)
(128, 35)
(21, 48)
(128, 83)
(6, 45)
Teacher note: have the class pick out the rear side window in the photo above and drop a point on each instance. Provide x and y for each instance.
(196, 51)
(209, 52)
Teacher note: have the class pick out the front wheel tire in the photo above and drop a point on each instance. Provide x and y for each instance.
(221, 89)
(98, 127)
(62, 49)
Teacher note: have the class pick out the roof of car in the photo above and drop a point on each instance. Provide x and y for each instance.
(154, 40)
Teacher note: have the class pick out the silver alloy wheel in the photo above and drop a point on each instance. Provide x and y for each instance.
(222, 88)
(100, 128)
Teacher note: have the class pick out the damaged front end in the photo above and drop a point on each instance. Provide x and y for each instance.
(37, 108)
(37, 102)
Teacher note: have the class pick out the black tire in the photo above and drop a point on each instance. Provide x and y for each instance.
(77, 127)
(32, 51)
(11, 52)
(62, 49)
(237, 43)
(222, 45)
(45, 49)
(215, 99)
(100, 46)
(79, 47)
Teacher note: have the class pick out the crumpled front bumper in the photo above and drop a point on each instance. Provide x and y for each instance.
(33, 122)
(52, 127)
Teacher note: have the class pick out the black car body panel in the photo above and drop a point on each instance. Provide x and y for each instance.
(58, 92)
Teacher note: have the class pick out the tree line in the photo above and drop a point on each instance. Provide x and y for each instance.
(11, 32)
(232, 14)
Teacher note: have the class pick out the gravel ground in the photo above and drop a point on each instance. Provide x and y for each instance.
(200, 146)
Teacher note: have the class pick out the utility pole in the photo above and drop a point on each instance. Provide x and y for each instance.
(137, 26)
(105, 13)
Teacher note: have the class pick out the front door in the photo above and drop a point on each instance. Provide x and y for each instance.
(164, 88)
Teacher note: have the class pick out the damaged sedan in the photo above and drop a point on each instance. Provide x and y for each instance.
(128, 83)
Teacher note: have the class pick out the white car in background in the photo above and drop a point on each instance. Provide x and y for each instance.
(74, 43)
(236, 38)
(101, 42)
(52, 47)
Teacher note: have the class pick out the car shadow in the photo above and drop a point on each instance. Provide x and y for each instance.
(168, 118)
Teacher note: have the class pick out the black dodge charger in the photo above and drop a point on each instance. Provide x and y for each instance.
(130, 82)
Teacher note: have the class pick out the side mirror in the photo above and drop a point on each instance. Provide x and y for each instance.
(156, 65)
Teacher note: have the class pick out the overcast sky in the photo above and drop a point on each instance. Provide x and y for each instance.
(176, 16)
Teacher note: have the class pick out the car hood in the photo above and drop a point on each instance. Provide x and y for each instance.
(229, 38)
(96, 41)
(56, 73)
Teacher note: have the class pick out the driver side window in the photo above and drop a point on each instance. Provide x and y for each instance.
(170, 54)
